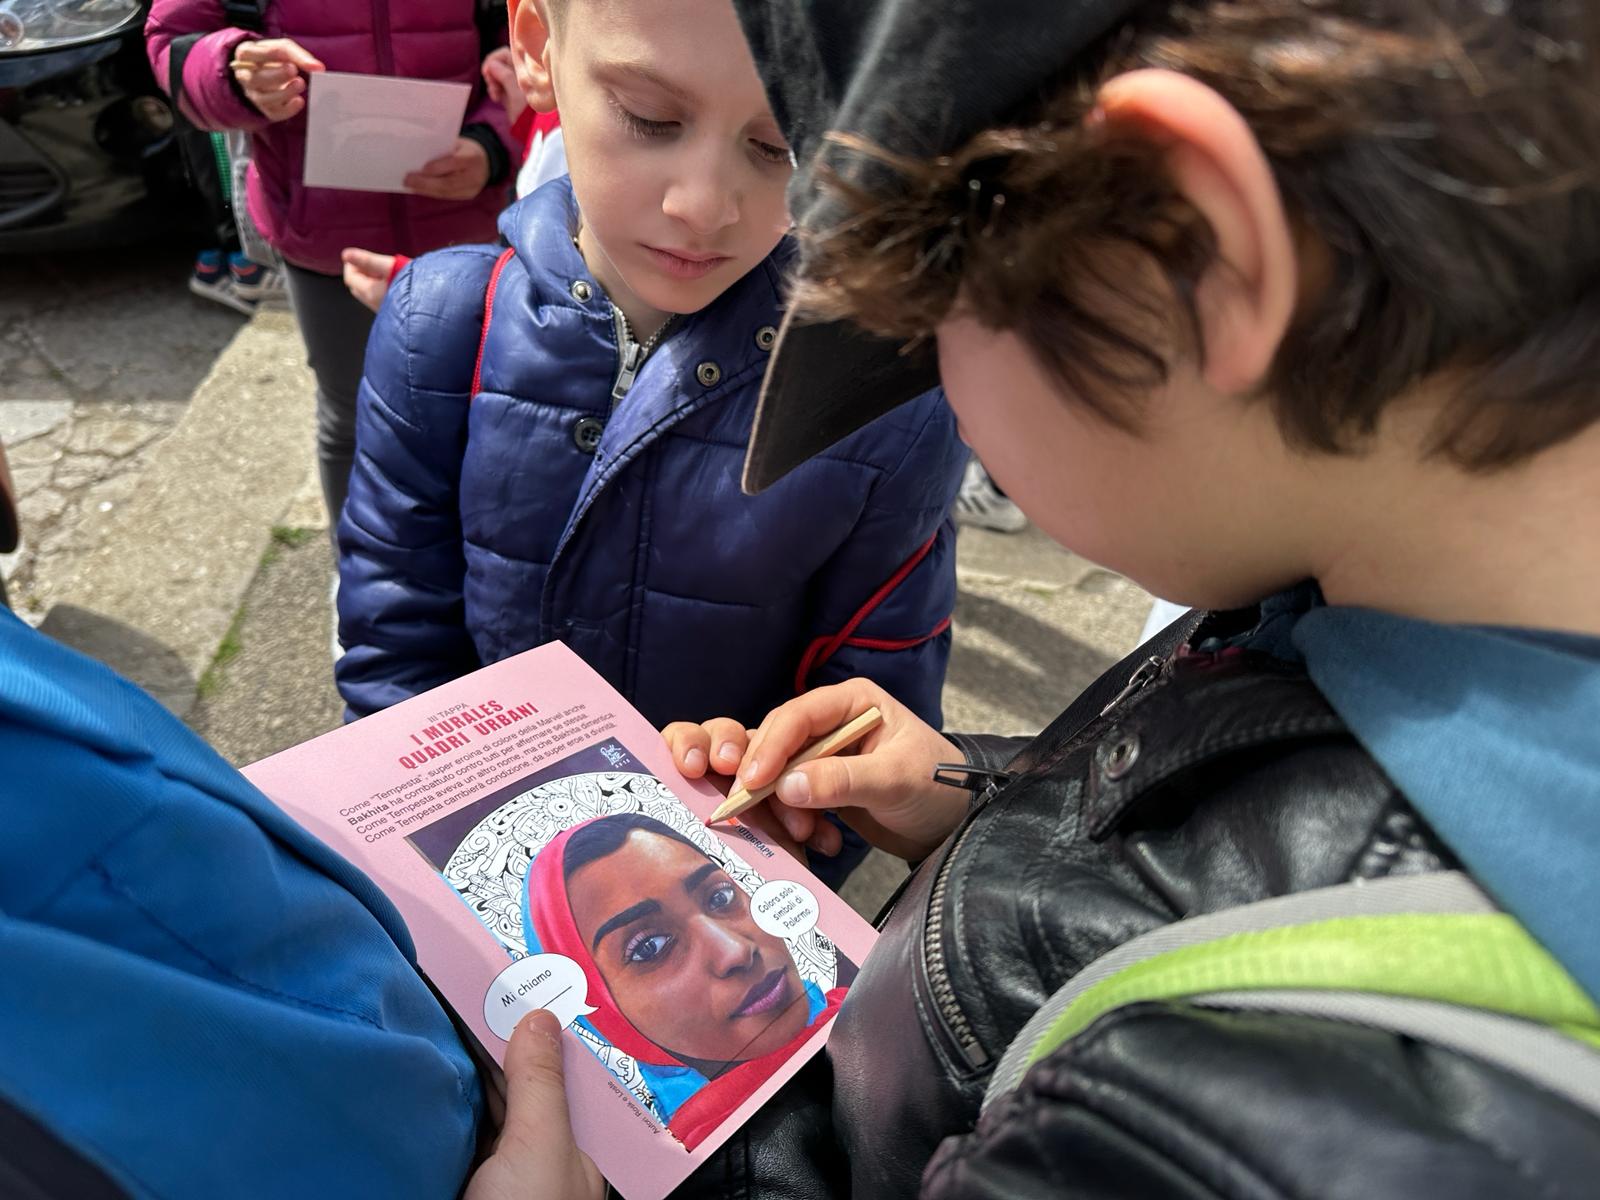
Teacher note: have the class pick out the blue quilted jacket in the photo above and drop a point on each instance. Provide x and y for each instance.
(541, 507)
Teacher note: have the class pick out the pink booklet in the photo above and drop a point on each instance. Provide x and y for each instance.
(545, 853)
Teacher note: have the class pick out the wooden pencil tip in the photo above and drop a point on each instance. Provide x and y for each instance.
(735, 801)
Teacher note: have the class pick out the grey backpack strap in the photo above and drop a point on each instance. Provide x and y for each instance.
(1442, 892)
(1546, 1056)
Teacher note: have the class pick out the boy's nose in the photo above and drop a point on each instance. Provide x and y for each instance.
(702, 203)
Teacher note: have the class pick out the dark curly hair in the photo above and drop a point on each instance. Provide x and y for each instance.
(1442, 155)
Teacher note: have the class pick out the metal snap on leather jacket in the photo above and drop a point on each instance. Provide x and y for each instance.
(1210, 781)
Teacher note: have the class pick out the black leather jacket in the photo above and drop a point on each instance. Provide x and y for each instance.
(1212, 781)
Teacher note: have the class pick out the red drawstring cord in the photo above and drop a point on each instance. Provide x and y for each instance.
(825, 647)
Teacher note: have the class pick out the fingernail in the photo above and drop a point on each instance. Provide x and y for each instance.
(695, 760)
(545, 1023)
(728, 753)
(751, 770)
(794, 788)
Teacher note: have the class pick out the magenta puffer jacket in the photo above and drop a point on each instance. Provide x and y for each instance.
(415, 39)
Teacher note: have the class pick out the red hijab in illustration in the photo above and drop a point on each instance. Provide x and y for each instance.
(550, 928)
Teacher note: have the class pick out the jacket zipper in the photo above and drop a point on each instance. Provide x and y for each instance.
(1148, 670)
(944, 992)
(630, 357)
(945, 1000)
(383, 40)
(631, 354)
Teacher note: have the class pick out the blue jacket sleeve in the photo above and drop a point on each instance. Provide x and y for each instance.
(198, 951)
(903, 642)
(401, 558)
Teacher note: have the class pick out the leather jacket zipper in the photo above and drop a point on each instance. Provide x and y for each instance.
(1148, 670)
(631, 354)
(945, 1000)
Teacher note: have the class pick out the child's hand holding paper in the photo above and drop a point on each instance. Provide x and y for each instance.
(460, 174)
(535, 1154)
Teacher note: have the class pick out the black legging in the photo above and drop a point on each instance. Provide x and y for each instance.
(334, 326)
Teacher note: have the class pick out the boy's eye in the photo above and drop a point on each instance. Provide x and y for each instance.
(642, 126)
(767, 152)
(646, 947)
(721, 898)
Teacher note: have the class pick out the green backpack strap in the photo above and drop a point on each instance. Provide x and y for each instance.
(219, 151)
(1426, 956)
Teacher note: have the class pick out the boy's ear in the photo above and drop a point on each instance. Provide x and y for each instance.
(530, 51)
(1246, 298)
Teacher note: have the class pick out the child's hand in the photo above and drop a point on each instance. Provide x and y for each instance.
(272, 72)
(535, 1154)
(712, 750)
(366, 274)
(500, 74)
(458, 174)
(882, 786)
(717, 745)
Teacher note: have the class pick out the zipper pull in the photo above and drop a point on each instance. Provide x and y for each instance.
(1148, 670)
(981, 783)
(632, 359)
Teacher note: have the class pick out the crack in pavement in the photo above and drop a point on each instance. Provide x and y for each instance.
(98, 361)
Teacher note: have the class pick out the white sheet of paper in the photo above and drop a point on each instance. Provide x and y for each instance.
(366, 133)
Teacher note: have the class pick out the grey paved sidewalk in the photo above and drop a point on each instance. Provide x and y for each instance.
(271, 685)
(99, 357)
(152, 584)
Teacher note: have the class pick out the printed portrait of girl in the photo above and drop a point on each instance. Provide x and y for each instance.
(681, 977)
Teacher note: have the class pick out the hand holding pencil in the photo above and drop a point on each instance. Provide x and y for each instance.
(741, 798)
(272, 74)
(880, 784)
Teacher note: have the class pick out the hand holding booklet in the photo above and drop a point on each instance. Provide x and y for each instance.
(545, 853)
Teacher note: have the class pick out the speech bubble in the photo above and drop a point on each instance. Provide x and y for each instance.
(550, 981)
(784, 908)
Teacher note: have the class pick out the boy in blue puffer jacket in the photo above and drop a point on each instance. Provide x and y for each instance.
(568, 466)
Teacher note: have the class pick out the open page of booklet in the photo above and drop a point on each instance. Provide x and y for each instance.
(532, 830)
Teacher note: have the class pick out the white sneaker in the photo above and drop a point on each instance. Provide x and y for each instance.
(223, 292)
(256, 282)
(980, 503)
(335, 646)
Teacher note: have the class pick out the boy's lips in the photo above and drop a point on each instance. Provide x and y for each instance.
(770, 992)
(685, 264)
